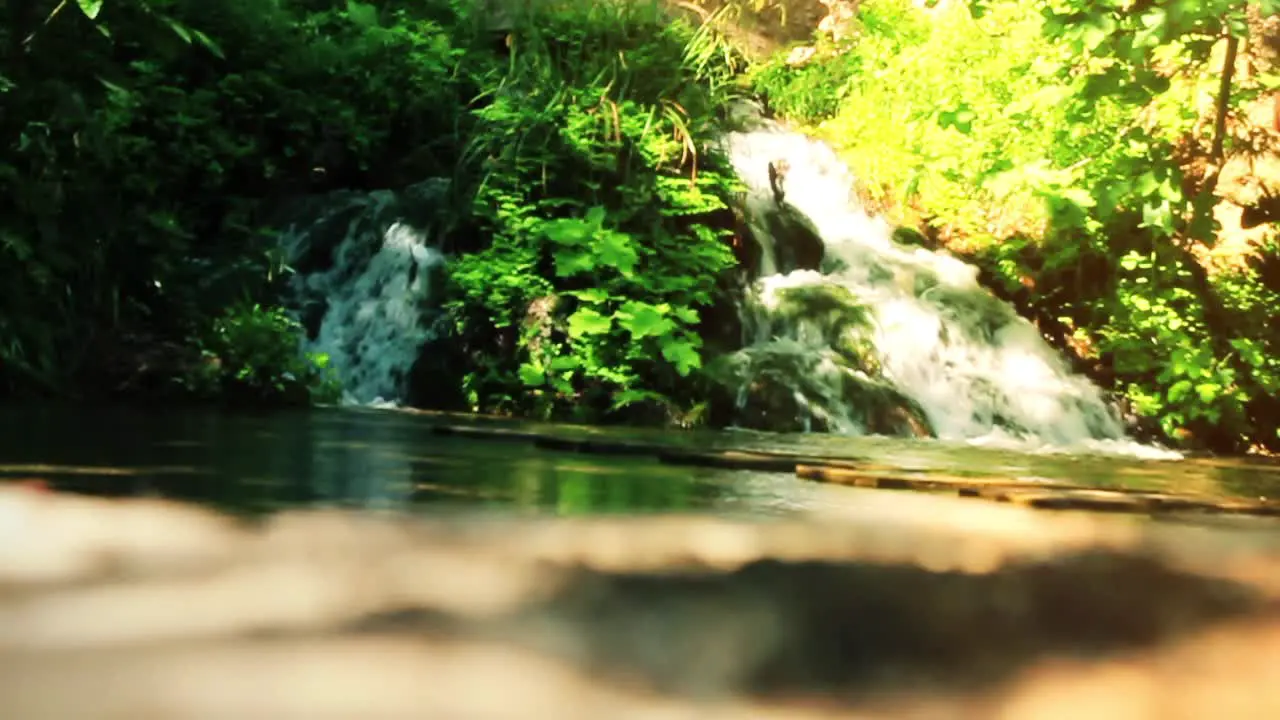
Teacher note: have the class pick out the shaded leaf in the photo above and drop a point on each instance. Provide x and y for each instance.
(683, 355)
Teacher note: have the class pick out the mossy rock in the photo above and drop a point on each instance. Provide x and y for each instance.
(781, 387)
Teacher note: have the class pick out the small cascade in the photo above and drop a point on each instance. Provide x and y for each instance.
(366, 277)
(879, 324)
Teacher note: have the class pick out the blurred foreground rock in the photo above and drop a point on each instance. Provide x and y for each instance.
(906, 606)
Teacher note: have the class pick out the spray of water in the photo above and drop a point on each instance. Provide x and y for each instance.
(943, 357)
(373, 293)
(980, 373)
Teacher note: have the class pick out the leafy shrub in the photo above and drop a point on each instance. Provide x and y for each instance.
(148, 139)
(599, 191)
(1048, 142)
(254, 352)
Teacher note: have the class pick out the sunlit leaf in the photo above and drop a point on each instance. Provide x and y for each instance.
(686, 315)
(532, 376)
(1208, 392)
(618, 251)
(590, 295)
(209, 44)
(90, 8)
(644, 320)
(589, 322)
(1178, 391)
(564, 363)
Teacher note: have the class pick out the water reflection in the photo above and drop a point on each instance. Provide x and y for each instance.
(393, 459)
(347, 458)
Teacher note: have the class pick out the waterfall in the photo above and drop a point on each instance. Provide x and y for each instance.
(955, 355)
(366, 272)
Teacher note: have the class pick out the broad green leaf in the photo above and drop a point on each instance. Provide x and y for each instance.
(618, 251)
(567, 232)
(594, 296)
(572, 261)
(1208, 392)
(644, 320)
(532, 376)
(686, 315)
(564, 362)
(589, 322)
(1178, 391)
(1158, 217)
(683, 355)
(1096, 30)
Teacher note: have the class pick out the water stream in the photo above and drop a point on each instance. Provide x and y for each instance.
(367, 270)
(976, 370)
(875, 339)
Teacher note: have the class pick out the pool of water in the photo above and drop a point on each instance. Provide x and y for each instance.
(396, 460)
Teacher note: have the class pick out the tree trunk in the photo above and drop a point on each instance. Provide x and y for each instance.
(1224, 99)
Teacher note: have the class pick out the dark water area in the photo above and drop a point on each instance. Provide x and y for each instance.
(336, 458)
(391, 459)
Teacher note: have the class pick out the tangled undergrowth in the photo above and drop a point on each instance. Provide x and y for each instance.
(152, 139)
(1063, 146)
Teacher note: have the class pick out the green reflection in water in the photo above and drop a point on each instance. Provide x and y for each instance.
(249, 463)
(393, 459)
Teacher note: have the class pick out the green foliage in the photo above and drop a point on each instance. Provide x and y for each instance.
(810, 92)
(1048, 141)
(813, 91)
(252, 351)
(599, 192)
(145, 139)
(1159, 331)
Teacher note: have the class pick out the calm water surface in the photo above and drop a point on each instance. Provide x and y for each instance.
(394, 459)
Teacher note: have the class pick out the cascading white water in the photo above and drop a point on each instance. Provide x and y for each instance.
(374, 292)
(977, 370)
